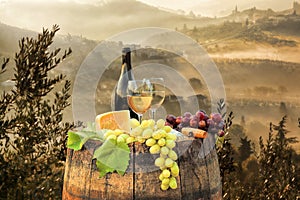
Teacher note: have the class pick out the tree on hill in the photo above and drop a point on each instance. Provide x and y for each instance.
(32, 131)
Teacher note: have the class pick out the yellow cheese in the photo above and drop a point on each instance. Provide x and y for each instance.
(114, 120)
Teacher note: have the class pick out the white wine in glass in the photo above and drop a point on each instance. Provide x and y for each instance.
(139, 96)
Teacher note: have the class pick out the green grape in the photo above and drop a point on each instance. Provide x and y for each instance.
(170, 144)
(134, 123)
(120, 139)
(171, 136)
(161, 177)
(161, 142)
(164, 187)
(118, 132)
(167, 129)
(124, 135)
(159, 162)
(130, 140)
(160, 123)
(108, 133)
(166, 173)
(141, 140)
(163, 167)
(155, 149)
(145, 124)
(156, 135)
(163, 133)
(165, 181)
(150, 142)
(137, 131)
(173, 183)
(111, 137)
(169, 162)
(175, 169)
(151, 124)
(173, 155)
(175, 174)
(147, 133)
(164, 150)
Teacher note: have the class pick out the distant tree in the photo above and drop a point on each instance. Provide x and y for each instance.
(243, 121)
(185, 28)
(236, 133)
(192, 14)
(283, 109)
(32, 131)
(195, 29)
(247, 22)
(245, 150)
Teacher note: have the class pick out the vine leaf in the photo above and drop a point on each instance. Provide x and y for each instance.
(112, 156)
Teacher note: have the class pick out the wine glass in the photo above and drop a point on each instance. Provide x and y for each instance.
(158, 94)
(139, 96)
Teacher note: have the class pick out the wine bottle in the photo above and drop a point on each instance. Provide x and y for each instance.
(120, 99)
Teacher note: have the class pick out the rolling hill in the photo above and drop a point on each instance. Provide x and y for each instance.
(92, 21)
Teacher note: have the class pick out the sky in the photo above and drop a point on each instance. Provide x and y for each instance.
(202, 7)
(219, 7)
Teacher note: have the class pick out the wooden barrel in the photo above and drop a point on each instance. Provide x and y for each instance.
(199, 176)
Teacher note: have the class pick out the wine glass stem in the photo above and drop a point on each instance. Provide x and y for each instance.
(140, 117)
(153, 113)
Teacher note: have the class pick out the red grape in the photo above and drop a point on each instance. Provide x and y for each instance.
(221, 133)
(168, 124)
(210, 123)
(194, 123)
(202, 124)
(194, 117)
(171, 119)
(200, 115)
(178, 120)
(217, 117)
(187, 114)
(185, 121)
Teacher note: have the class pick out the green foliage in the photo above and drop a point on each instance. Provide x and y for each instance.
(245, 150)
(271, 174)
(32, 131)
(277, 174)
(228, 169)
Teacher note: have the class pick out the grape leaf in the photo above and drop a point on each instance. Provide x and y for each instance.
(103, 169)
(112, 155)
(77, 139)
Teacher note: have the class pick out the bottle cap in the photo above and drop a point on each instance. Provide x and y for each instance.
(126, 50)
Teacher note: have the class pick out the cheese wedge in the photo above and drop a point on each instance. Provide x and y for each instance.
(114, 120)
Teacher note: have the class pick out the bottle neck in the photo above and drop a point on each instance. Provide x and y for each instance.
(126, 60)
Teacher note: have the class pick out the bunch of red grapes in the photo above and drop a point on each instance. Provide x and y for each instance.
(212, 124)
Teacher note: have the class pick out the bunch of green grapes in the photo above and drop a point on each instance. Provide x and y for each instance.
(116, 135)
(160, 140)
